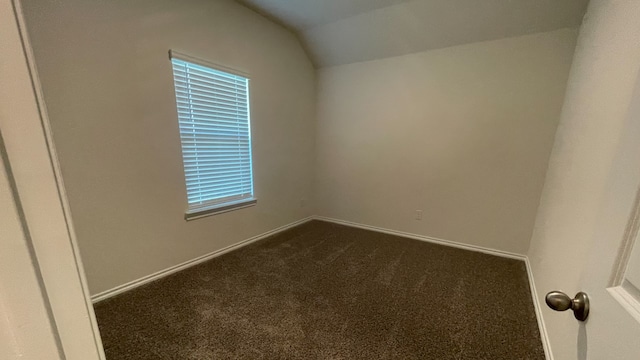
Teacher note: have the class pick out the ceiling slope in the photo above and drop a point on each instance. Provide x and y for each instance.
(337, 32)
(305, 14)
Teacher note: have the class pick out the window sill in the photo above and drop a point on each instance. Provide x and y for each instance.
(194, 214)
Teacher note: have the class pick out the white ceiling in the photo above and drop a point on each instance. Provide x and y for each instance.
(305, 14)
(337, 32)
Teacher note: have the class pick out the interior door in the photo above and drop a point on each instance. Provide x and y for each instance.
(584, 230)
(610, 39)
(612, 330)
(25, 328)
(51, 277)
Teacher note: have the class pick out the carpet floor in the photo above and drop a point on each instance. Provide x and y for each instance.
(325, 291)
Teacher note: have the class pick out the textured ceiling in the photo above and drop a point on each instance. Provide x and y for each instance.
(337, 32)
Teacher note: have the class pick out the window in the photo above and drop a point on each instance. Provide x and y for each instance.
(213, 114)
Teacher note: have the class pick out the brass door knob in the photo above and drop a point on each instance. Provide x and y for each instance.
(560, 301)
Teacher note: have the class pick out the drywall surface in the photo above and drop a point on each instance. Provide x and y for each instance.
(463, 134)
(407, 27)
(108, 86)
(590, 186)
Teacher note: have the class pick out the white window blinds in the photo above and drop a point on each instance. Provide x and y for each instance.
(213, 113)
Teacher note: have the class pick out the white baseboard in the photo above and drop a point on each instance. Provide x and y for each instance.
(538, 308)
(187, 264)
(429, 239)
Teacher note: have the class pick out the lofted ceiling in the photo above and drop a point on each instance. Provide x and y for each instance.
(337, 32)
(305, 14)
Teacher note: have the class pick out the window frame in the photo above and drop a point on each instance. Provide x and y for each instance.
(194, 212)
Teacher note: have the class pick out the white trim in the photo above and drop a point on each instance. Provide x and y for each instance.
(485, 250)
(628, 301)
(190, 263)
(211, 210)
(630, 236)
(546, 345)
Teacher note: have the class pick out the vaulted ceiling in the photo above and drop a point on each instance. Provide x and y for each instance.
(337, 32)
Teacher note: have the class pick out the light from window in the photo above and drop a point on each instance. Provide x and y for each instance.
(213, 113)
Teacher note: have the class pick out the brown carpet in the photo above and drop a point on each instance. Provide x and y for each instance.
(325, 291)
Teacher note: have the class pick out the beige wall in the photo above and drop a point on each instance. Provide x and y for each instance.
(462, 133)
(590, 186)
(108, 87)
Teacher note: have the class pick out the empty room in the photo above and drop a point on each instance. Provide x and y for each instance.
(305, 179)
